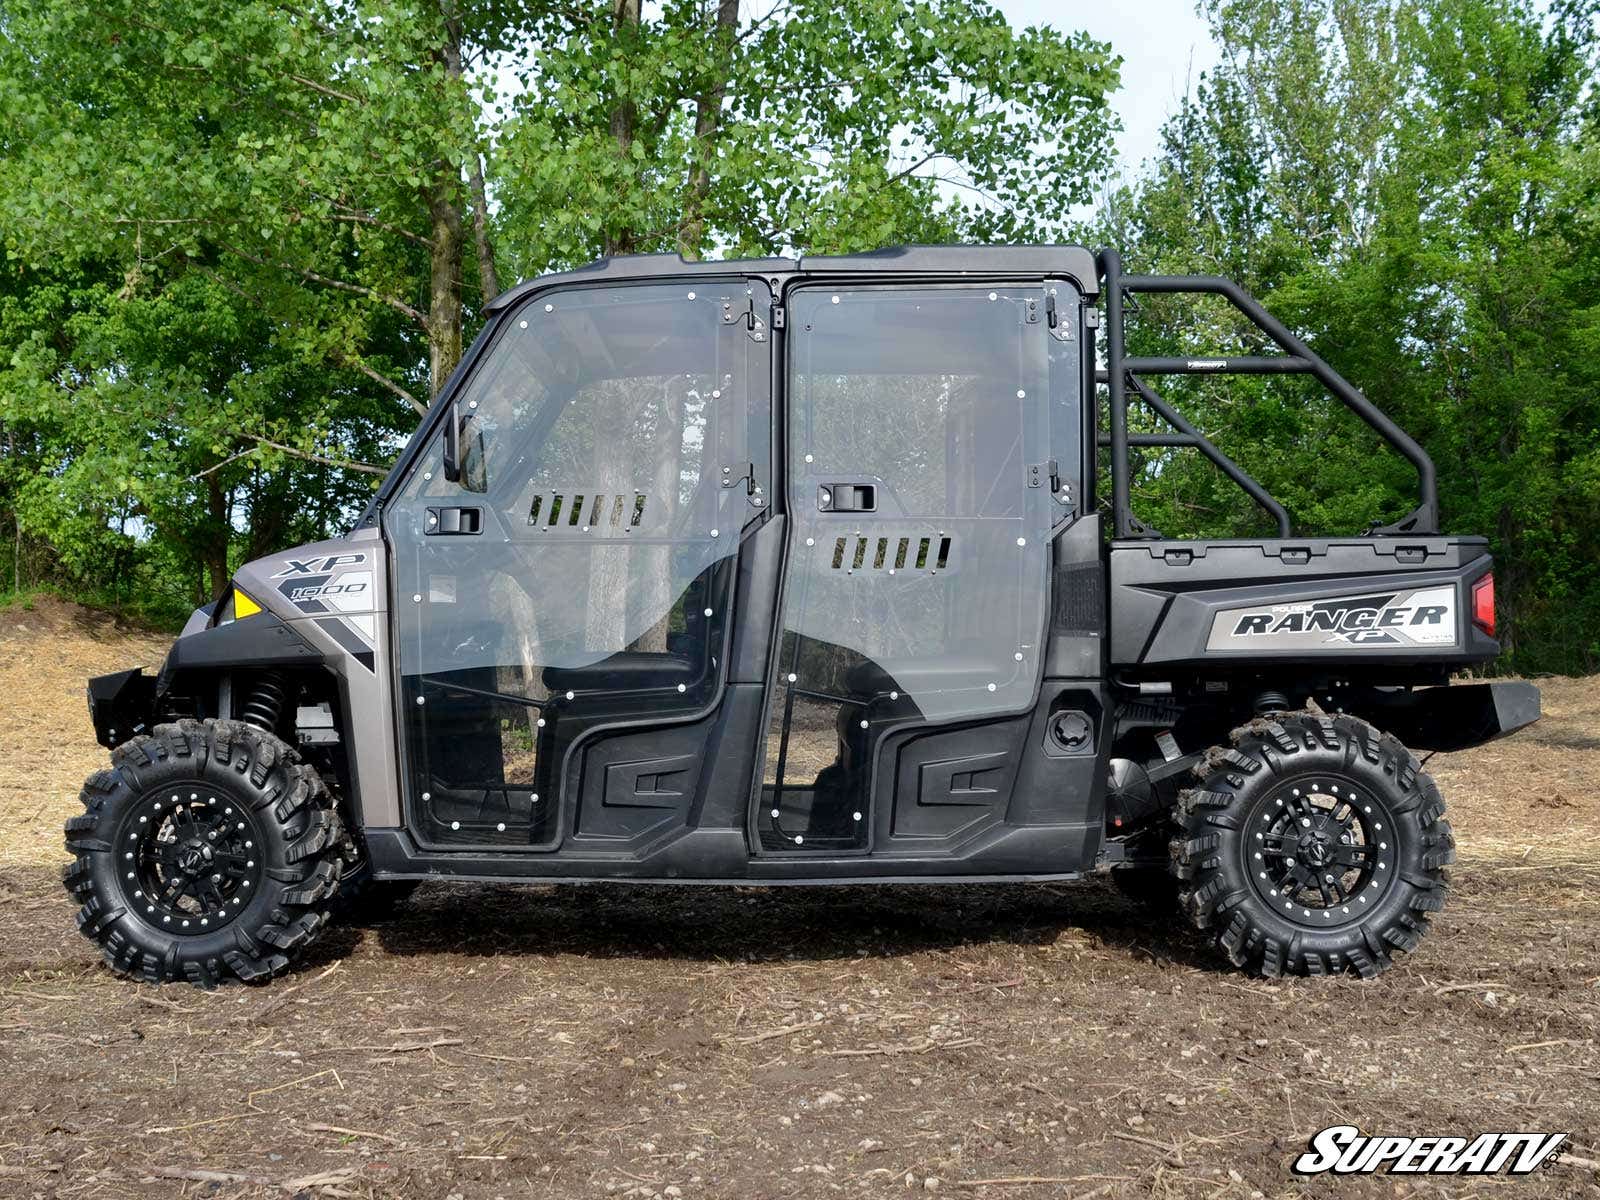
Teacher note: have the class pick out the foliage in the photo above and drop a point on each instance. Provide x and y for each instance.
(818, 125)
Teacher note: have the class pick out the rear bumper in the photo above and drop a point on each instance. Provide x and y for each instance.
(1452, 718)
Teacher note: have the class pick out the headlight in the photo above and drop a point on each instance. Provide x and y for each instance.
(225, 609)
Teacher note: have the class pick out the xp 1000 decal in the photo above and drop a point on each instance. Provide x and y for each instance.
(1421, 617)
(334, 583)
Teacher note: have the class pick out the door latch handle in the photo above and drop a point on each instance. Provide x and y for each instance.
(454, 520)
(847, 497)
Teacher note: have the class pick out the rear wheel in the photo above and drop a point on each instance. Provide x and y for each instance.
(208, 852)
(1314, 845)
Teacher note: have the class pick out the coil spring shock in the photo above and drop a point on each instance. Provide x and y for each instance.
(1271, 701)
(264, 708)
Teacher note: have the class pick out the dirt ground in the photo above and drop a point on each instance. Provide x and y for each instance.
(1004, 1043)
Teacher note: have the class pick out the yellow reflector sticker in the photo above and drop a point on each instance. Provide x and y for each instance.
(243, 606)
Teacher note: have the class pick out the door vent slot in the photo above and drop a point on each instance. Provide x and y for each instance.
(568, 510)
(891, 554)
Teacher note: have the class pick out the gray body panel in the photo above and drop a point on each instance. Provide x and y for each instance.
(350, 627)
(1349, 602)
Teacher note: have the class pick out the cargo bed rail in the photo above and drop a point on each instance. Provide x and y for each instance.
(1123, 374)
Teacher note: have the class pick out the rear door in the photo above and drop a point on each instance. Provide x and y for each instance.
(571, 592)
(914, 601)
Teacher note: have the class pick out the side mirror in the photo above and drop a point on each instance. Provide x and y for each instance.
(452, 446)
(472, 464)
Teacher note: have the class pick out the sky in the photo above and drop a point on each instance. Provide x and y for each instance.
(1161, 42)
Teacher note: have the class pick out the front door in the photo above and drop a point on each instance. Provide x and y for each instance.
(914, 604)
(572, 590)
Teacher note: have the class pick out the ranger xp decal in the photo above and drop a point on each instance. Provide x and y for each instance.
(1426, 617)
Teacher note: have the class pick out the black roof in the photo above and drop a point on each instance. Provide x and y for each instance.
(1071, 262)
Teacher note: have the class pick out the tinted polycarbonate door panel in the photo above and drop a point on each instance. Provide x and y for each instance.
(916, 581)
(581, 591)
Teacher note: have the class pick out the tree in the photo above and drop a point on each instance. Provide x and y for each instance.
(124, 414)
(803, 126)
(311, 157)
(249, 239)
(328, 159)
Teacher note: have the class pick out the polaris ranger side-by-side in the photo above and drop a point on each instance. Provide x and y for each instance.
(795, 572)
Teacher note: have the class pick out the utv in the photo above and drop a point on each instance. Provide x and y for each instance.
(796, 572)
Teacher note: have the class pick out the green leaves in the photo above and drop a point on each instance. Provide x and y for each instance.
(815, 125)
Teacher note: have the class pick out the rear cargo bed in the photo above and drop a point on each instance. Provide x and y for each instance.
(1377, 600)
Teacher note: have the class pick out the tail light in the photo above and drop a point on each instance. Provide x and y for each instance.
(1483, 604)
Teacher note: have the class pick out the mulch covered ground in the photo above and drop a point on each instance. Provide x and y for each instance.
(980, 1041)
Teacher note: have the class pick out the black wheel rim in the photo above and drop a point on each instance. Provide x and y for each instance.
(190, 858)
(1321, 850)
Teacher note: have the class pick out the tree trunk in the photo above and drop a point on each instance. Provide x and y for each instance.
(707, 121)
(624, 117)
(269, 510)
(612, 439)
(655, 580)
(444, 215)
(444, 297)
(216, 542)
(488, 277)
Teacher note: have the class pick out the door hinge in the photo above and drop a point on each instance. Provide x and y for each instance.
(746, 476)
(754, 325)
(1050, 472)
(1060, 329)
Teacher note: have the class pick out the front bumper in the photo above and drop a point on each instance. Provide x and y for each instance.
(121, 705)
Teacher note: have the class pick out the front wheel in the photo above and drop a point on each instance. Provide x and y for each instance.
(1314, 845)
(208, 852)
